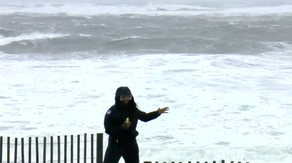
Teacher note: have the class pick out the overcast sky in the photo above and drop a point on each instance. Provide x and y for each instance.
(206, 2)
(159, 1)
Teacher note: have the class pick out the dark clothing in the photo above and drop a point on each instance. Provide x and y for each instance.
(116, 116)
(114, 152)
(123, 142)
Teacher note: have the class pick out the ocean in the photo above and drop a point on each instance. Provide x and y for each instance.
(224, 70)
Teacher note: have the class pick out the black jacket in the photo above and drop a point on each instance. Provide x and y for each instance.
(116, 116)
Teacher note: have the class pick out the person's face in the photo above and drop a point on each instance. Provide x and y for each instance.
(125, 99)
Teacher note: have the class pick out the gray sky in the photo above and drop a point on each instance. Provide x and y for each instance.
(210, 2)
(156, 1)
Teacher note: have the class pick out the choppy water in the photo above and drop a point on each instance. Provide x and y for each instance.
(225, 73)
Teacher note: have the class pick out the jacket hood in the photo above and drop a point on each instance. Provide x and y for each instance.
(122, 91)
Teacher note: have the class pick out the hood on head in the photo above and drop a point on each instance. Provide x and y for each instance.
(122, 91)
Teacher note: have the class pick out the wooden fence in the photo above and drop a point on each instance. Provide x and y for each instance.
(223, 161)
(9, 153)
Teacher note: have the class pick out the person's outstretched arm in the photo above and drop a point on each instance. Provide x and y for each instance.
(145, 117)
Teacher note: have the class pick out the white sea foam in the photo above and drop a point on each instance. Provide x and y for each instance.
(232, 107)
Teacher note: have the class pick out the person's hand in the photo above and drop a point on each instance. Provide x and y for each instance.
(126, 125)
(163, 110)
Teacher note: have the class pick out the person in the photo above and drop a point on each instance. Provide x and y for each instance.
(122, 132)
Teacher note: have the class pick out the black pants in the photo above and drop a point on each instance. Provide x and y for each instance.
(115, 151)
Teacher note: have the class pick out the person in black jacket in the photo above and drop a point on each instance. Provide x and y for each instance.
(120, 123)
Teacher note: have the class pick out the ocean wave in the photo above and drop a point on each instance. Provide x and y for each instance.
(28, 37)
(118, 34)
(146, 9)
(61, 43)
(4, 32)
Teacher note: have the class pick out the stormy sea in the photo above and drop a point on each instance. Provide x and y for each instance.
(223, 69)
